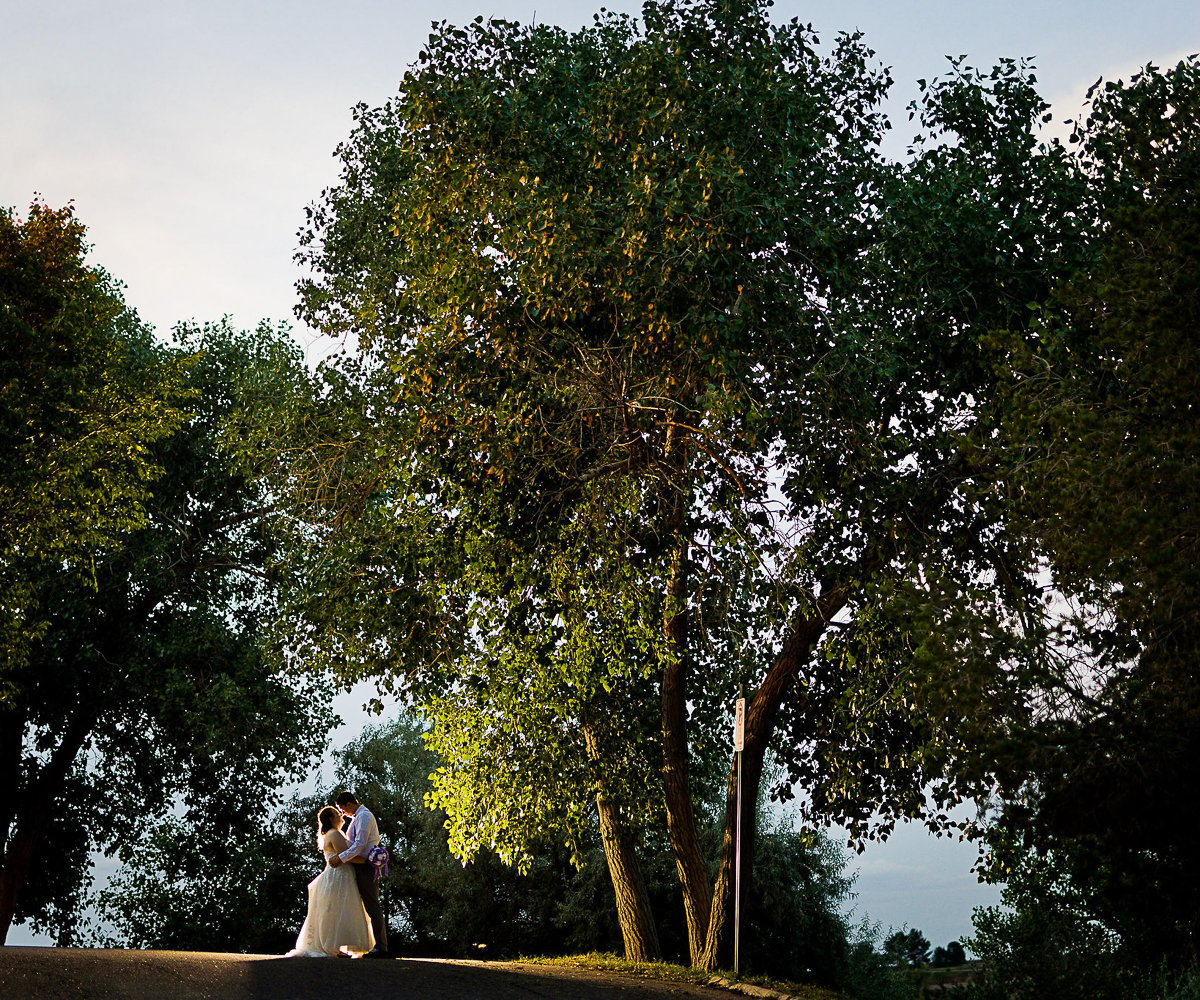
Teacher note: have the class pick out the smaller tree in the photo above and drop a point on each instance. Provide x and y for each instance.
(871, 975)
(952, 954)
(793, 920)
(909, 948)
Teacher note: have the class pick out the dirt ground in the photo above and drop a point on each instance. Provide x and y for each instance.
(84, 974)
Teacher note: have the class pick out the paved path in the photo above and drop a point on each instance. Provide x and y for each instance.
(84, 974)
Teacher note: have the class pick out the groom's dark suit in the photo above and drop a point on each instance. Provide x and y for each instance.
(363, 834)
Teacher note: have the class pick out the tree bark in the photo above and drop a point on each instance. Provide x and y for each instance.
(36, 805)
(634, 915)
(761, 713)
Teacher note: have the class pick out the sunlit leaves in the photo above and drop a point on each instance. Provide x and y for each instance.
(644, 303)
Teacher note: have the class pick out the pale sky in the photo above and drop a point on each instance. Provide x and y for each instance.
(192, 133)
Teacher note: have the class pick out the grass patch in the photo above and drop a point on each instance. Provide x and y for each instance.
(684, 974)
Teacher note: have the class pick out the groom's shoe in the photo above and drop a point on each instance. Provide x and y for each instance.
(376, 953)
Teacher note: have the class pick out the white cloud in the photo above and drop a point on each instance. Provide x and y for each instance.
(1069, 104)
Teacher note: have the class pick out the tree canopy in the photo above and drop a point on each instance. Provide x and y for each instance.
(660, 398)
(1103, 431)
(665, 386)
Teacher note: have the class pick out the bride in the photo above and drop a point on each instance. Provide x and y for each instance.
(336, 924)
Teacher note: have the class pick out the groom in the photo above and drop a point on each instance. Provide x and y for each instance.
(363, 834)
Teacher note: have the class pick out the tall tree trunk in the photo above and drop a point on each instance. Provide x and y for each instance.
(634, 915)
(806, 631)
(36, 804)
(681, 819)
(638, 930)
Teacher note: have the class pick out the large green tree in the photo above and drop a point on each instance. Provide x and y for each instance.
(1104, 431)
(670, 384)
(148, 683)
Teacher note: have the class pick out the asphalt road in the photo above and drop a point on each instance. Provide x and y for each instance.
(84, 974)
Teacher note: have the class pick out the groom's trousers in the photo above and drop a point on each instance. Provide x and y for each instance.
(368, 888)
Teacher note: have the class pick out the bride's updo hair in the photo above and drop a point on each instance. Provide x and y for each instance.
(328, 819)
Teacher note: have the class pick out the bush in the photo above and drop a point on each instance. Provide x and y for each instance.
(1043, 951)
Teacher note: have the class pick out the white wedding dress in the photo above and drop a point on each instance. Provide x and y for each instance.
(337, 924)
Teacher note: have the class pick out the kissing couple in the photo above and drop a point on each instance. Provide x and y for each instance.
(344, 916)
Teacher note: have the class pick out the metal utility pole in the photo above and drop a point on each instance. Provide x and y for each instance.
(739, 742)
